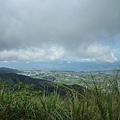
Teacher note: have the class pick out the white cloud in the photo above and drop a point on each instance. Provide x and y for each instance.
(85, 53)
(32, 54)
(86, 60)
(98, 52)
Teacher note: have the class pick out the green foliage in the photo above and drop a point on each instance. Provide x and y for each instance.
(98, 102)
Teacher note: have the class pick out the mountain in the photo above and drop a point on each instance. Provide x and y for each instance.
(7, 70)
(13, 78)
(39, 84)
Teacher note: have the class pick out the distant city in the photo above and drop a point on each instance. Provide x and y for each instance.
(70, 77)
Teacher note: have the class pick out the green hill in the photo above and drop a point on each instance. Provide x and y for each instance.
(11, 79)
(7, 70)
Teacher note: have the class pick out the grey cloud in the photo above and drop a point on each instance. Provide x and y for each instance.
(68, 24)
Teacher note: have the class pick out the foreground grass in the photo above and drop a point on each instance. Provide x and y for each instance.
(97, 103)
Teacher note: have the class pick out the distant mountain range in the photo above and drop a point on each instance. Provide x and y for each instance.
(62, 65)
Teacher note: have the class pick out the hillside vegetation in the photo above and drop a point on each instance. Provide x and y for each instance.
(23, 102)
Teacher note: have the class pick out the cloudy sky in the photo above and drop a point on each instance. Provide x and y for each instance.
(56, 30)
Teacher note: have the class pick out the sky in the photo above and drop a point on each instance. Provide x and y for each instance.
(60, 30)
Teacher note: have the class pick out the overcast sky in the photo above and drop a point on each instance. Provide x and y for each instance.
(45, 30)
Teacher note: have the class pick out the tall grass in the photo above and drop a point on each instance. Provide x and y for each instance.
(98, 102)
